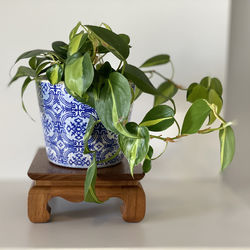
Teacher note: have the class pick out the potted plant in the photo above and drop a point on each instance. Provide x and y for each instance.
(85, 103)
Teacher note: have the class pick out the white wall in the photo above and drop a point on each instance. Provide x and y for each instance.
(193, 32)
(238, 104)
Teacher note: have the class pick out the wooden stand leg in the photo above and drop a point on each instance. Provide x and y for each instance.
(134, 206)
(38, 208)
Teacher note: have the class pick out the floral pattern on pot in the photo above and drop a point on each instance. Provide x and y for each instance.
(64, 121)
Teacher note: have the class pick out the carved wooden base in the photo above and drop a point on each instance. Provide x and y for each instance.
(51, 181)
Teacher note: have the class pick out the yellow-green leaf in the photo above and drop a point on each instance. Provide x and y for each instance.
(113, 105)
(54, 73)
(167, 90)
(195, 117)
(79, 73)
(135, 149)
(156, 60)
(227, 146)
(213, 98)
(77, 42)
(74, 30)
(89, 184)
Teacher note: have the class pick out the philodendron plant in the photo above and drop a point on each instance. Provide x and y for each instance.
(92, 80)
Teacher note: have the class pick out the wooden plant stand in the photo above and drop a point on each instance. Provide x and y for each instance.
(51, 180)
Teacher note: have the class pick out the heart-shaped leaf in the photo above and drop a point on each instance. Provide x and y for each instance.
(110, 40)
(76, 43)
(89, 184)
(147, 162)
(139, 79)
(195, 117)
(156, 60)
(113, 105)
(74, 31)
(158, 118)
(54, 73)
(227, 146)
(213, 98)
(135, 149)
(212, 83)
(79, 73)
(125, 38)
(196, 92)
(167, 89)
(60, 48)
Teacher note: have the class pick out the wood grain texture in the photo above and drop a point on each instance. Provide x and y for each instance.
(42, 169)
(51, 181)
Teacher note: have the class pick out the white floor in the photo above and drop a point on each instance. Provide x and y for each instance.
(179, 214)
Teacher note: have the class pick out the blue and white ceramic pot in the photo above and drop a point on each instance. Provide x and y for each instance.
(64, 121)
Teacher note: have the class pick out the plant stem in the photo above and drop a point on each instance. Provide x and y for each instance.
(157, 73)
(172, 66)
(165, 78)
(178, 126)
(119, 65)
(123, 67)
(171, 100)
(158, 137)
(161, 152)
(100, 58)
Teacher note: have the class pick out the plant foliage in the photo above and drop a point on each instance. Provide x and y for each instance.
(80, 64)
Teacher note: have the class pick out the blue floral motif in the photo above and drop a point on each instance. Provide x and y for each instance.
(64, 121)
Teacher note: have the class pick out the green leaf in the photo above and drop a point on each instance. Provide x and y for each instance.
(167, 89)
(101, 49)
(113, 42)
(24, 86)
(213, 98)
(74, 30)
(196, 92)
(89, 184)
(87, 98)
(156, 60)
(77, 42)
(227, 146)
(54, 73)
(138, 77)
(106, 26)
(135, 149)
(79, 73)
(195, 117)
(105, 69)
(147, 162)
(190, 88)
(41, 68)
(217, 86)
(32, 62)
(212, 83)
(125, 38)
(21, 72)
(90, 127)
(32, 53)
(60, 48)
(113, 105)
(158, 118)
(137, 92)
